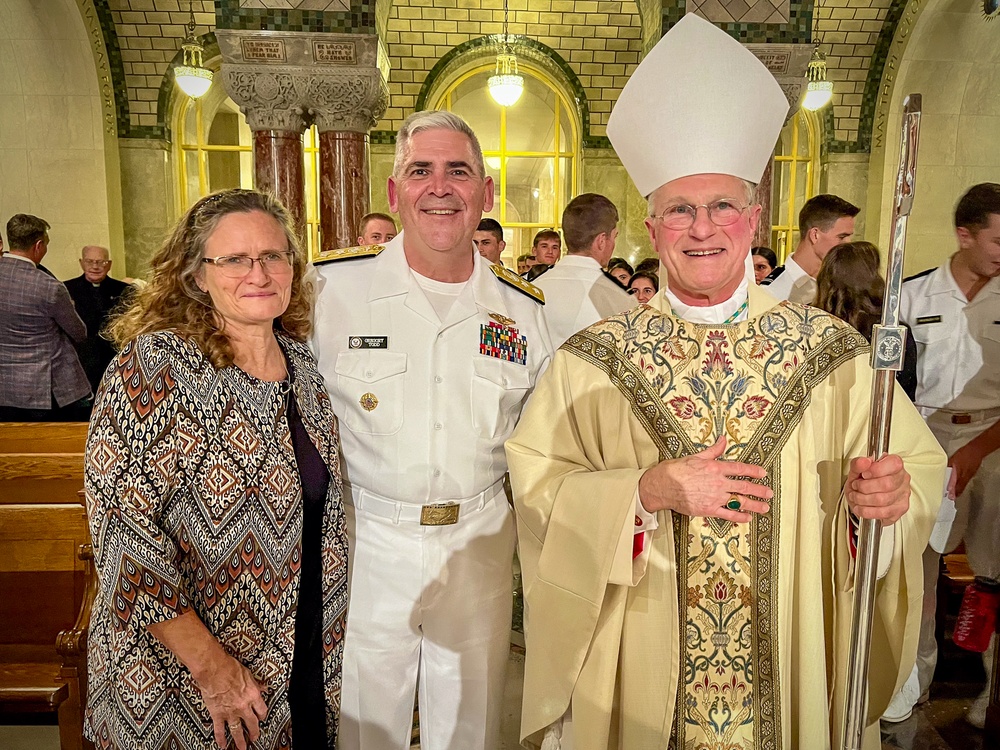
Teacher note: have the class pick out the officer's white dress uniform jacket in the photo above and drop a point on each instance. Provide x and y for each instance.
(444, 409)
(577, 295)
(425, 406)
(958, 391)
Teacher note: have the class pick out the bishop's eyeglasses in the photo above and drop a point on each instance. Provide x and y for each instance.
(275, 263)
(722, 213)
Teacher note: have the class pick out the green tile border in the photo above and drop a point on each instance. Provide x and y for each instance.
(798, 29)
(359, 20)
(519, 42)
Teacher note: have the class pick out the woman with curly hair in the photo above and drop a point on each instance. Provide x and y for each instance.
(850, 286)
(214, 498)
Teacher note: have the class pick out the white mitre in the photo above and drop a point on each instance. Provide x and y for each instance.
(699, 103)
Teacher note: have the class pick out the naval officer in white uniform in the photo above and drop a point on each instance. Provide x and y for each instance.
(429, 353)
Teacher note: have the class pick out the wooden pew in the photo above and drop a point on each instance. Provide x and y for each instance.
(47, 581)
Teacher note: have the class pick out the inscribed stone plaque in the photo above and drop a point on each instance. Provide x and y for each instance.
(776, 62)
(340, 53)
(263, 50)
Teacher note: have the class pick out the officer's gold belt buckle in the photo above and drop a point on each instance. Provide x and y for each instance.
(441, 514)
(961, 419)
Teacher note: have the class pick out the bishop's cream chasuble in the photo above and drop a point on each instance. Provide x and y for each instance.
(717, 636)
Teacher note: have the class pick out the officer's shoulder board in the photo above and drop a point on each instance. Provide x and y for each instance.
(766, 281)
(348, 253)
(524, 287)
(920, 275)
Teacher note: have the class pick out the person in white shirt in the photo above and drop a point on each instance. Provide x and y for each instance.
(824, 221)
(546, 247)
(954, 314)
(578, 292)
(429, 353)
(489, 240)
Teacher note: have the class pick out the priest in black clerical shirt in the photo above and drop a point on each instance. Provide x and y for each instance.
(96, 295)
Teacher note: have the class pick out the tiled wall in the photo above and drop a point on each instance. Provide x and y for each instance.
(601, 40)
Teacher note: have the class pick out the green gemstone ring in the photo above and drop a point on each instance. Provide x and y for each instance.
(734, 503)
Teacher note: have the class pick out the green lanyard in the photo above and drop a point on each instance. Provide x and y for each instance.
(742, 308)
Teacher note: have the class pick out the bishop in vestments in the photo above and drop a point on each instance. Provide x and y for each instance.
(688, 475)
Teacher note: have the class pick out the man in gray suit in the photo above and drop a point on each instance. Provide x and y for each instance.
(41, 378)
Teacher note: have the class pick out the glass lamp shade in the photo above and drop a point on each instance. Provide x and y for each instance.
(506, 86)
(818, 95)
(195, 82)
(506, 89)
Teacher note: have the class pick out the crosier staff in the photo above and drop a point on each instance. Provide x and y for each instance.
(888, 341)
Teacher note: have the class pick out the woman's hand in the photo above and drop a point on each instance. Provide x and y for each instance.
(230, 692)
(234, 701)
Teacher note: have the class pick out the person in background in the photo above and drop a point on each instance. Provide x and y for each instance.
(213, 489)
(41, 378)
(524, 262)
(622, 270)
(850, 286)
(644, 284)
(764, 261)
(489, 241)
(376, 229)
(648, 265)
(954, 313)
(547, 247)
(824, 221)
(96, 295)
(578, 292)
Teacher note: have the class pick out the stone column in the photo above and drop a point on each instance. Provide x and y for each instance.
(283, 81)
(348, 99)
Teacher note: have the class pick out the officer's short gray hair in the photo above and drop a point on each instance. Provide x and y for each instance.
(434, 119)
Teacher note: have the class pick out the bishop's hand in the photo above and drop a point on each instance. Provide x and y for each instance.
(878, 489)
(704, 484)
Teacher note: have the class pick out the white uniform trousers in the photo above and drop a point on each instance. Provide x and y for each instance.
(978, 522)
(427, 602)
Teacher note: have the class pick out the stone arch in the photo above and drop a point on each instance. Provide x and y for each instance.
(960, 86)
(475, 51)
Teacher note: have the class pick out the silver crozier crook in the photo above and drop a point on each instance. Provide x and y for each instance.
(888, 341)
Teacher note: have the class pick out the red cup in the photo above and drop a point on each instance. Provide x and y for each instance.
(977, 617)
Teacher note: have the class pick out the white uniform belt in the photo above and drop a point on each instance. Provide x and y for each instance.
(435, 514)
(961, 417)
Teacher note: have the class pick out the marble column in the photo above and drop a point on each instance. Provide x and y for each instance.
(345, 186)
(285, 81)
(277, 166)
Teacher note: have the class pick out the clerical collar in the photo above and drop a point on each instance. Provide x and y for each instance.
(733, 310)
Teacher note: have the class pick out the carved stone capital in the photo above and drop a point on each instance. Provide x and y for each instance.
(788, 64)
(285, 80)
(349, 101)
(271, 99)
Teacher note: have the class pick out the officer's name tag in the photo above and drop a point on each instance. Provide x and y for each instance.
(368, 342)
(928, 319)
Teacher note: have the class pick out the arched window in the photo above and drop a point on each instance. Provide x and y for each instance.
(215, 152)
(531, 150)
(794, 179)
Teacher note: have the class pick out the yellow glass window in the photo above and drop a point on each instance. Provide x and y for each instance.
(531, 151)
(215, 152)
(793, 175)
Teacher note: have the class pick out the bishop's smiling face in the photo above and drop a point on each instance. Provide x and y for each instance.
(705, 263)
(440, 193)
